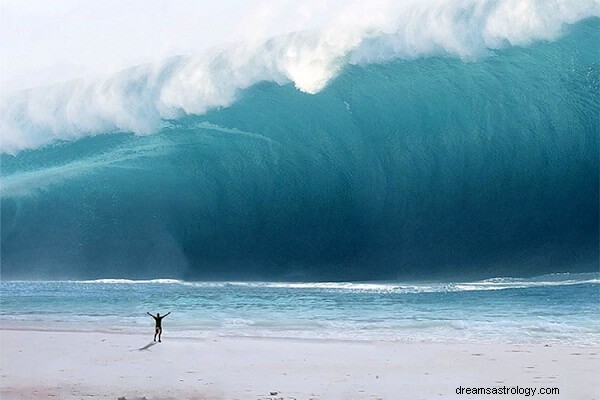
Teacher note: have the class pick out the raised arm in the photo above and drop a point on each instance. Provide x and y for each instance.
(167, 314)
(149, 314)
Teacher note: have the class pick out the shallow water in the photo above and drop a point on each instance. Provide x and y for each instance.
(559, 308)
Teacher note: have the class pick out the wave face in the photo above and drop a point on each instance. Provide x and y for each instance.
(433, 166)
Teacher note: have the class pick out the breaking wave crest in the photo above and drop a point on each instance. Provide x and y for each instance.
(141, 99)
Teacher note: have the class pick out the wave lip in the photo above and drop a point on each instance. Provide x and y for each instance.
(140, 99)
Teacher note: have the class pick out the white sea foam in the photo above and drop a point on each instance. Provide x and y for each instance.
(131, 281)
(431, 287)
(139, 99)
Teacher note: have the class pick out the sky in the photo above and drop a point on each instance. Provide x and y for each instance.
(43, 42)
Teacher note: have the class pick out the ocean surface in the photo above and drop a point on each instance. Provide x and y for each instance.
(551, 309)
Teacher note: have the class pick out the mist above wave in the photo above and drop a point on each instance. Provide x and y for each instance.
(141, 98)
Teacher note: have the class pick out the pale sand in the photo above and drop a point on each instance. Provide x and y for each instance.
(69, 365)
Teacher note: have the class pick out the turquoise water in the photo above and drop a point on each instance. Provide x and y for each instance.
(426, 168)
(559, 308)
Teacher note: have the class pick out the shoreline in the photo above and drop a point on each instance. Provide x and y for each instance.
(75, 365)
(210, 335)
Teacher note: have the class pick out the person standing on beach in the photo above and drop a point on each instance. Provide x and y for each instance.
(158, 326)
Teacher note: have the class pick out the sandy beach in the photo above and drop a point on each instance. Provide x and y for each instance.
(83, 365)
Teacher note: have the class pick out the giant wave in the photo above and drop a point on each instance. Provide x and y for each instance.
(395, 159)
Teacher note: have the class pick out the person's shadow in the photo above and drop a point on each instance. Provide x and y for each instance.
(146, 347)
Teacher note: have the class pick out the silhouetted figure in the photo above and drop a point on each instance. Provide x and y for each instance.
(158, 326)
